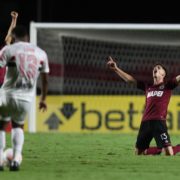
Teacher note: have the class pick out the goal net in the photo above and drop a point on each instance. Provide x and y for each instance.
(78, 54)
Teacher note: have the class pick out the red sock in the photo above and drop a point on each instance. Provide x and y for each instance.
(176, 149)
(153, 151)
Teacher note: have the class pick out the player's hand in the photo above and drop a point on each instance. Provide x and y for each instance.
(42, 106)
(111, 63)
(14, 14)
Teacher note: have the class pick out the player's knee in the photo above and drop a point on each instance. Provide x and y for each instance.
(139, 151)
(16, 125)
(169, 151)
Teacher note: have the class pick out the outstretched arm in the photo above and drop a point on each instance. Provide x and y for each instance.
(14, 16)
(126, 77)
(178, 79)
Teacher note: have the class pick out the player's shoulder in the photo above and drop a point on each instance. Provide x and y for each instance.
(5, 49)
(17, 45)
(171, 80)
(27, 45)
(39, 49)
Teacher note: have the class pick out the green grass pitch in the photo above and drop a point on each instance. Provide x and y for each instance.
(51, 156)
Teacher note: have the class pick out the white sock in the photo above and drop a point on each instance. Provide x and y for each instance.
(2, 145)
(17, 137)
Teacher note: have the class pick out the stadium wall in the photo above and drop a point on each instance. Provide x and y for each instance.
(99, 114)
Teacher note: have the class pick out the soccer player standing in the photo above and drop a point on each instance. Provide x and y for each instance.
(25, 62)
(153, 124)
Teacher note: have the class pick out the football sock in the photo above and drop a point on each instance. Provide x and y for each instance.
(2, 145)
(17, 143)
(176, 149)
(153, 151)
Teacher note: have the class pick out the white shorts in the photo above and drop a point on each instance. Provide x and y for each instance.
(13, 109)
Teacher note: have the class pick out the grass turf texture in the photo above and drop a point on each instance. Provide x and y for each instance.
(89, 157)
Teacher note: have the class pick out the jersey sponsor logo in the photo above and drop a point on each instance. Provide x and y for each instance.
(155, 93)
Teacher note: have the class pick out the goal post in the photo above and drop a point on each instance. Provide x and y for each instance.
(77, 53)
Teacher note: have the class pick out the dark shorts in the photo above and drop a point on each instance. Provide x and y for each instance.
(156, 129)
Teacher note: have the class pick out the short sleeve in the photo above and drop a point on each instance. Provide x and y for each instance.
(171, 84)
(45, 64)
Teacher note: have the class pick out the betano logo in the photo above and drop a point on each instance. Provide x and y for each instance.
(100, 114)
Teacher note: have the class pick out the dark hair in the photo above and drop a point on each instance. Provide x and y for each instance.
(165, 69)
(19, 31)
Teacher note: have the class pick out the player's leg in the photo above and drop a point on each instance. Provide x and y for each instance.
(162, 137)
(2, 143)
(176, 149)
(17, 138)
(169, 151)
(17, 132)
(143, 139)
(3, 124)
(154, 150)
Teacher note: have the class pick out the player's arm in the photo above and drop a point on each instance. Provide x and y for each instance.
(125, 76)
(178, 79)
(44, 88)
(14, 16)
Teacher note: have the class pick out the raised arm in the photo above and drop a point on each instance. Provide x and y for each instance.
(14, 16)
(126, 77)
(178, 79)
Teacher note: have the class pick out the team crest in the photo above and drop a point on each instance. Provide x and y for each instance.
(161, 87)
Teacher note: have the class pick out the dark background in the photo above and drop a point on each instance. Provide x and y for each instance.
(91, 11)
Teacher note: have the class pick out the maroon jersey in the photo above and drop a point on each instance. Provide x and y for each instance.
(157, 99)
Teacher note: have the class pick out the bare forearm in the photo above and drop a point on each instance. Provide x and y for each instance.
(178, 79)
(126, 77)
(44, 91)
(42, 103)
(8, 37)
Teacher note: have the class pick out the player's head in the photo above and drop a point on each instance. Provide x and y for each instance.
(19, 33)
(159, 71)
